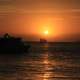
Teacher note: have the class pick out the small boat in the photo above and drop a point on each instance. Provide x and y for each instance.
(9, 44)
(43, 41)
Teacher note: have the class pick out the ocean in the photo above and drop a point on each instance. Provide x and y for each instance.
(42, 62)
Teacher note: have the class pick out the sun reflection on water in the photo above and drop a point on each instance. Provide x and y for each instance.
(46, 76)
(46, 62)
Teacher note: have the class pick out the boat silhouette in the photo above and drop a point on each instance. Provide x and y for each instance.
(43, 40)
(10, 44)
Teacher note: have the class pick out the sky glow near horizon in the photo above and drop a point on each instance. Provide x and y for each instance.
(33, 17)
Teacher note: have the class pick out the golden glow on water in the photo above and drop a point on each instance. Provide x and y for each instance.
(46, 76)
(46, 62)
(46, 66)
(46, 46)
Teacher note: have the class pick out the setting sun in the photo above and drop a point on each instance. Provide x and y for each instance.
(46, 32)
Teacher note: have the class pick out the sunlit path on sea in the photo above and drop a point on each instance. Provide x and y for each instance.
(46, 65)
(40, 64)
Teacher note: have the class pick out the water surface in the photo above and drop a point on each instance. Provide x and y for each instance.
(41, 63)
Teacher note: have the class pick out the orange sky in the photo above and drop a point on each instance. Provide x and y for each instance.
(30, 18)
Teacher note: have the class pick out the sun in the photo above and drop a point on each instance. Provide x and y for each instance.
(46, 32)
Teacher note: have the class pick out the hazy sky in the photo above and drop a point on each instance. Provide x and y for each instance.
(32, 17)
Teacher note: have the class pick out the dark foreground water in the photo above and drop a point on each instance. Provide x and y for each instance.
(41, 63)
